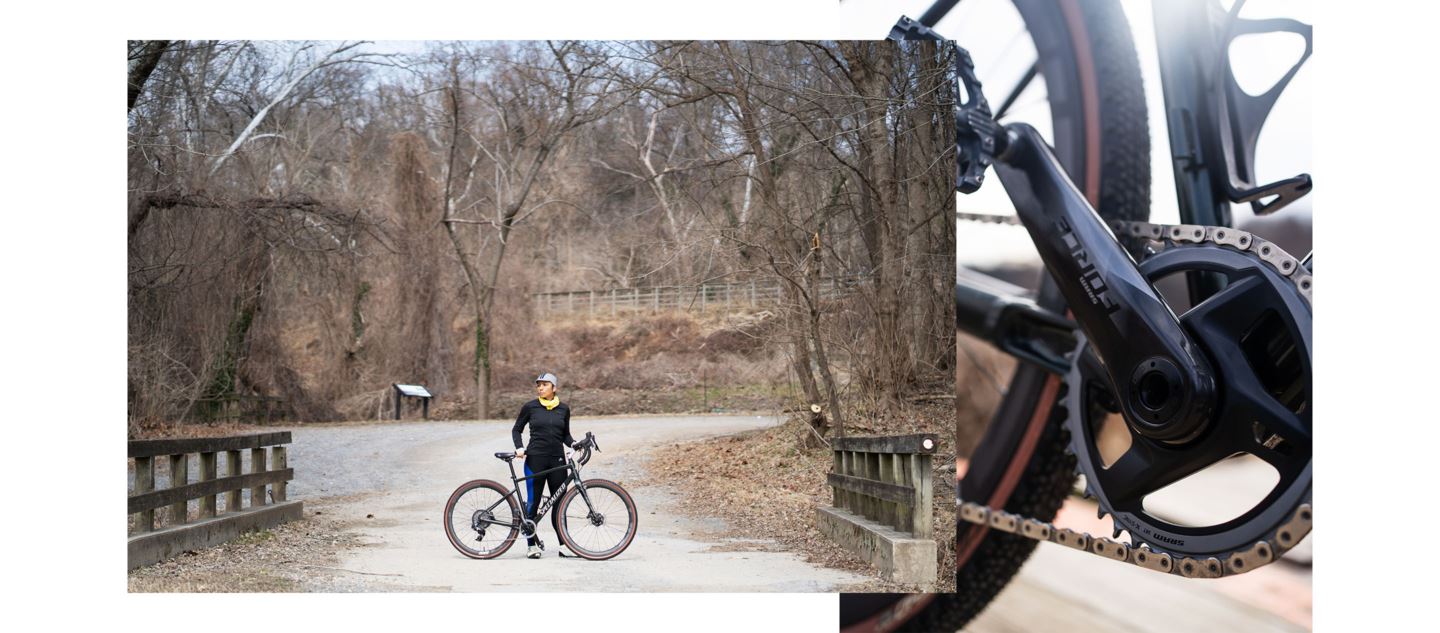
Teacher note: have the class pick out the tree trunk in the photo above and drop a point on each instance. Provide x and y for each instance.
(472, 276)
(146, 58)
(872, 66)
(798, 341)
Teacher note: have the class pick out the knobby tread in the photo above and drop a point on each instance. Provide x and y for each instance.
(1042, 490)
(1124, 194)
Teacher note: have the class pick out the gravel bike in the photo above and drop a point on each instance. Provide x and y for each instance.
(1182, 380)
(595, 518)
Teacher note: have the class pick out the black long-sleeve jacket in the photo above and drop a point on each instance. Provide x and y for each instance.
(549, 428)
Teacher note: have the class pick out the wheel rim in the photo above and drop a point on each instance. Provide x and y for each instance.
(601, 528)
(479, 503)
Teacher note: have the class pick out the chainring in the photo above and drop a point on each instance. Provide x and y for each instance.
(1257, 333)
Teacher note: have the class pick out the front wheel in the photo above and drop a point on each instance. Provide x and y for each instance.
(482, 519)
(602, 528)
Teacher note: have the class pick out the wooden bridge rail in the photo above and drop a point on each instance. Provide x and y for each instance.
(269, 473)
(237, 407)
(886, 479)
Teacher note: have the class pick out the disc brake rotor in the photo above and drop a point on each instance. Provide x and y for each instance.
(1256, 332)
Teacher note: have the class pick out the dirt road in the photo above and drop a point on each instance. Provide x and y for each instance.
(403, 473)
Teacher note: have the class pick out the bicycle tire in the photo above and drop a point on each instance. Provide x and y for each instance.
(570, 540)
(1101, 135)
(449, 519)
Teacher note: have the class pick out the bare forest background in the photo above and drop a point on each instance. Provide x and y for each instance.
(312, 221)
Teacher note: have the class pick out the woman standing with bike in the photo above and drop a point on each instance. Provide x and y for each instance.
(594, 518)
(549, 422)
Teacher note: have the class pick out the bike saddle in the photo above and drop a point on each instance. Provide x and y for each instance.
(505, 456)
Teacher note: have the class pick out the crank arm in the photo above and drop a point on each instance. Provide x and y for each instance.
(1166, 386)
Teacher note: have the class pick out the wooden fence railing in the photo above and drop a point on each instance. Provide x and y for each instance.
(241, 407)
(886, 479)
(692, 298)
(220, 514)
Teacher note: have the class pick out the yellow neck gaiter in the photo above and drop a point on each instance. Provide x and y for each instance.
(551, 403)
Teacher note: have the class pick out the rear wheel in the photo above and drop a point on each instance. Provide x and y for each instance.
(482, 519)
(601, 528)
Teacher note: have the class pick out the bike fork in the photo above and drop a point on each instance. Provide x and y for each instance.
(589, 507)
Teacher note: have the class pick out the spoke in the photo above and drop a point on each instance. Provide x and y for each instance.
(1019, 88)
(1004, 52)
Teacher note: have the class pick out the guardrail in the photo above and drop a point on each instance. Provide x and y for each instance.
(882, 504)
(220, 511)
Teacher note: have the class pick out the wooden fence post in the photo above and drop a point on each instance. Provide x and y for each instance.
(887, 508)
(902, 510)
(924, 511)
(872, 472)
(257, 465)
(232, 469)
(179, 476)
(207, 473)
(145, 482)
(281, 463)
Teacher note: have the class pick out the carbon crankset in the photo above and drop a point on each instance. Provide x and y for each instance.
(1256, 332)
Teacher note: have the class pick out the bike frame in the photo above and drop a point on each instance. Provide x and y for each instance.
(573, 479)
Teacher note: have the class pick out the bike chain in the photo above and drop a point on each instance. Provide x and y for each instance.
(1262, 552)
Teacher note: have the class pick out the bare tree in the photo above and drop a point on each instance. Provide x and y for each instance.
(535, 104)
(297, 72)
(287, 202)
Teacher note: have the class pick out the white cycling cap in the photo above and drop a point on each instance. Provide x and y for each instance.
(550, 378)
